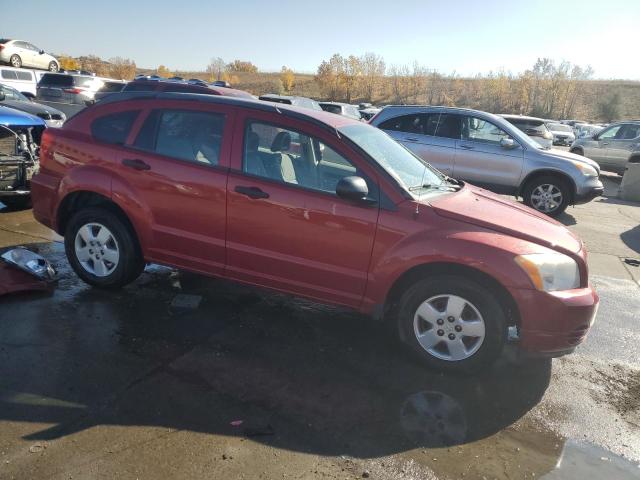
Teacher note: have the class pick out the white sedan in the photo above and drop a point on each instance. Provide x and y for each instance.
(19, 53)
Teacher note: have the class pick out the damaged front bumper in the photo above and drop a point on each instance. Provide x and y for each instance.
(19, 160)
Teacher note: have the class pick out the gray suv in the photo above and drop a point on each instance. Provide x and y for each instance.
(613, 146)
(486, 150)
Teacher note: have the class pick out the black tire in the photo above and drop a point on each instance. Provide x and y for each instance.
(558, 183)
(483, 299)
(15, 61)
(53, 66)
(17, 203)
(577, 151)
(131, 262)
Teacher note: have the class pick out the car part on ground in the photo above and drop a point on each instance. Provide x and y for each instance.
(368, 224)
(30, 262)
(19, 53)
(486, 150)
(612, 147)
(10, 97)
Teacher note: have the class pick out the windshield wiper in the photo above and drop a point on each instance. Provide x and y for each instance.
(442, 187)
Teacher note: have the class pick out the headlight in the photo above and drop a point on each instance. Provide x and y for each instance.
(587, 170)
(550, 271)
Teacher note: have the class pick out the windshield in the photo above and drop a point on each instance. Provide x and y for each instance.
(404, 166)
(559, 127)
(13, 94)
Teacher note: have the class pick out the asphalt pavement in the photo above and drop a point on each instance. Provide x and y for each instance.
(251, 384)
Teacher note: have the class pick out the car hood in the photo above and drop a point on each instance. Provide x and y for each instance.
(11, 117)
(485, 209)
(561, 154)
(31, 107)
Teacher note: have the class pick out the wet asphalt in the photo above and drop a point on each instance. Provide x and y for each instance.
(254, 384)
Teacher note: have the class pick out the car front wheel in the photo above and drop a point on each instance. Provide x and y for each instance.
(101, 249)
(53, 67)
(452, 324)
(549, 195)
(15, 61)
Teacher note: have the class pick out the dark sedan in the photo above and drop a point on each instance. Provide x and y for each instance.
(10, 97)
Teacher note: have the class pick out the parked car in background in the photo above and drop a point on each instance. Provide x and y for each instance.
(21, 79)
(210, 183)
(343, 109)
(487, 150)
(19, 53)
(109, 87)
(586, 130)
(613, 147)
(369, 112)
(69, 89)
(533, 127)
(150, 84)
(562, 134)
(289, 100)
(10, 97)
(20, 136)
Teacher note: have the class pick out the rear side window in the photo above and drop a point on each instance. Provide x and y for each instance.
(187, 135)
(114, 128)
(139, 87)
(413, 123)
(629, 132)
(55, 80)
(24, 75)
(9, 75)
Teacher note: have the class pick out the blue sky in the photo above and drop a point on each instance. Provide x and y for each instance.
(467, 37)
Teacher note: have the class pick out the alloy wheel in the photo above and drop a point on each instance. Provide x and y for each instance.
(546, 198)
(96, 249)
(449, 327)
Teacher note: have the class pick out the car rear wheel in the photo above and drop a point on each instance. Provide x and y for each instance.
(549, 195)
(452, 324)
(15, 61)
(101, 249)
(53, 66)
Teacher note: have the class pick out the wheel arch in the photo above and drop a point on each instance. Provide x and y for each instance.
(424, 270)
(79, 199)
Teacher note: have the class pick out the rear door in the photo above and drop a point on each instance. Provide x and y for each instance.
(287, 228)
(26, 54)
(417, 132)
(481, 160)
(176, 159)
(597, 150)
(621, 146)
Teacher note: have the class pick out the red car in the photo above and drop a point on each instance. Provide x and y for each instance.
(315, 205)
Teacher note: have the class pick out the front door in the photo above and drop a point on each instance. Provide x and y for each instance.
(621, 145)
(176, 161)
(482, 160)
(286, 227)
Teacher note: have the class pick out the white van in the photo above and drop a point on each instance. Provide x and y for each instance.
(21, 79)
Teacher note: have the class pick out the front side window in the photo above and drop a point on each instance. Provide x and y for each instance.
(113, 128)
(477, 130)
(188, 135)
(293, 157)
(412, 123)
(610, 132)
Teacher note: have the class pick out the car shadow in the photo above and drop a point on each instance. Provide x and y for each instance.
(299, 375)
(631, 238)
(566, 219)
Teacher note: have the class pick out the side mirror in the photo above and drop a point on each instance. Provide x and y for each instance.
(353, 189)
(41, 52)
(2, 96)
(508, 143)
(594, 136)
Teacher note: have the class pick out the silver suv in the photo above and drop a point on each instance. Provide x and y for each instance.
(486, 150)
(613, 146)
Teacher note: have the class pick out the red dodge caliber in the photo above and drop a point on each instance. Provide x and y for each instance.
(316, 205)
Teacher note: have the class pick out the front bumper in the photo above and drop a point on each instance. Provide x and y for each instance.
(554, 323)
(589, 193)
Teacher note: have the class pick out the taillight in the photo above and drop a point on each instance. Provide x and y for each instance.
(75, 91)
(45, 143)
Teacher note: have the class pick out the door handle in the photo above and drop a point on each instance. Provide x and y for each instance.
(466, 147)
(411, 139)
(136, 164)
(251, 192)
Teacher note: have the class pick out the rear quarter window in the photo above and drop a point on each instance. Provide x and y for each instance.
(55, 80)
(113, 128)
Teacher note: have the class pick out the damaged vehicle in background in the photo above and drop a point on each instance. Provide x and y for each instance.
(10, 97)
(20, 135)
